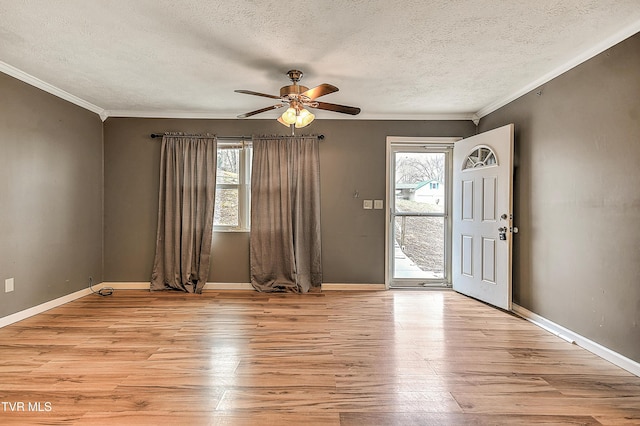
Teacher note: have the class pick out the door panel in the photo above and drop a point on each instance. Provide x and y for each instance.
(482, 208)
(467, 200)
(467, 256)
(489, 199)
(489, 260)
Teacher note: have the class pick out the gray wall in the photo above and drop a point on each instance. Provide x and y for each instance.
(352, 158)
(577, 198)
(50, 194)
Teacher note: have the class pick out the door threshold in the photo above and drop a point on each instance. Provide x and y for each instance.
(422, 287)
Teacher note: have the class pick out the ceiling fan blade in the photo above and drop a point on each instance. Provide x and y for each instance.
(258, 111)
(323, 89)
(338, 108)
(251, 92)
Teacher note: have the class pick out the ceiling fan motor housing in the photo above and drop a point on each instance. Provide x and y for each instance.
(293, 89)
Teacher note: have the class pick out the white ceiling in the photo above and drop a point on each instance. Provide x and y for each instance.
(395, 59)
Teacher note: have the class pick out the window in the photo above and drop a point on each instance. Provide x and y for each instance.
(482, 156)
(233, 191)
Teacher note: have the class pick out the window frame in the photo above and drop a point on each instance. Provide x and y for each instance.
(243, 186)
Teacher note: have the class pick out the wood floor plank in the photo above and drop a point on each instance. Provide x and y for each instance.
(548, 405)
(332, 358)
(328, 400)
(439, 419)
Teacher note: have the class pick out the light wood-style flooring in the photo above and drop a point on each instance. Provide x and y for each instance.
(334, 358)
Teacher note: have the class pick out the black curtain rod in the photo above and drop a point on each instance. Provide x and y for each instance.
(159, 135)
(240, 138)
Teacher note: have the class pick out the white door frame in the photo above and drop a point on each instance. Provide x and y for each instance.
(411, 142)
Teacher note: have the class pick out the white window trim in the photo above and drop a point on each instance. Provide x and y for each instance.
(243, 186)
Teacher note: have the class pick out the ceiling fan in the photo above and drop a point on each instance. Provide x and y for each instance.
(298, 98)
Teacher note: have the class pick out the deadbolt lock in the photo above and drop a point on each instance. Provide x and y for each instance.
(502, 233)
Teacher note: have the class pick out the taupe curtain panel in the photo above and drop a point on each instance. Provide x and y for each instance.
(185, 212)
(285, 215)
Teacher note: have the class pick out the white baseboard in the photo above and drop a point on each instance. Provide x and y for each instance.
(35, 310)
(564, 333)
(144, 285)
(353, 287)
(228, 286)
(120, 285)
(242, 286)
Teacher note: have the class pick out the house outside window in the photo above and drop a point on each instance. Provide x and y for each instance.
(233, 191)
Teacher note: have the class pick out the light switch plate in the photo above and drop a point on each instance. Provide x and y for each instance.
(367, 204)
(378, 204)
(8, 285)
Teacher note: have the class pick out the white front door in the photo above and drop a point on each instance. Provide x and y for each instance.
(482, 210)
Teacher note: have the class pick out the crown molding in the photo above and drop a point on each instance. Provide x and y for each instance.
(211, 115)
(49, 88)
(463, 116)
(123, 113)
(605, 44)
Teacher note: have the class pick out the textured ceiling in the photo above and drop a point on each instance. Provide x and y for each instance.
(395, 59)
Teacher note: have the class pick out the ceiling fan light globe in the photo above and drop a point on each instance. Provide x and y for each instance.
(289, 116)
(281, 121)
(304, 119)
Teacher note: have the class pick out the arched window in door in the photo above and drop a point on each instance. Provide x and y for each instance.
(481, 156)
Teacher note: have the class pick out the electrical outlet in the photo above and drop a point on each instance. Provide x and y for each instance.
(8, 285)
